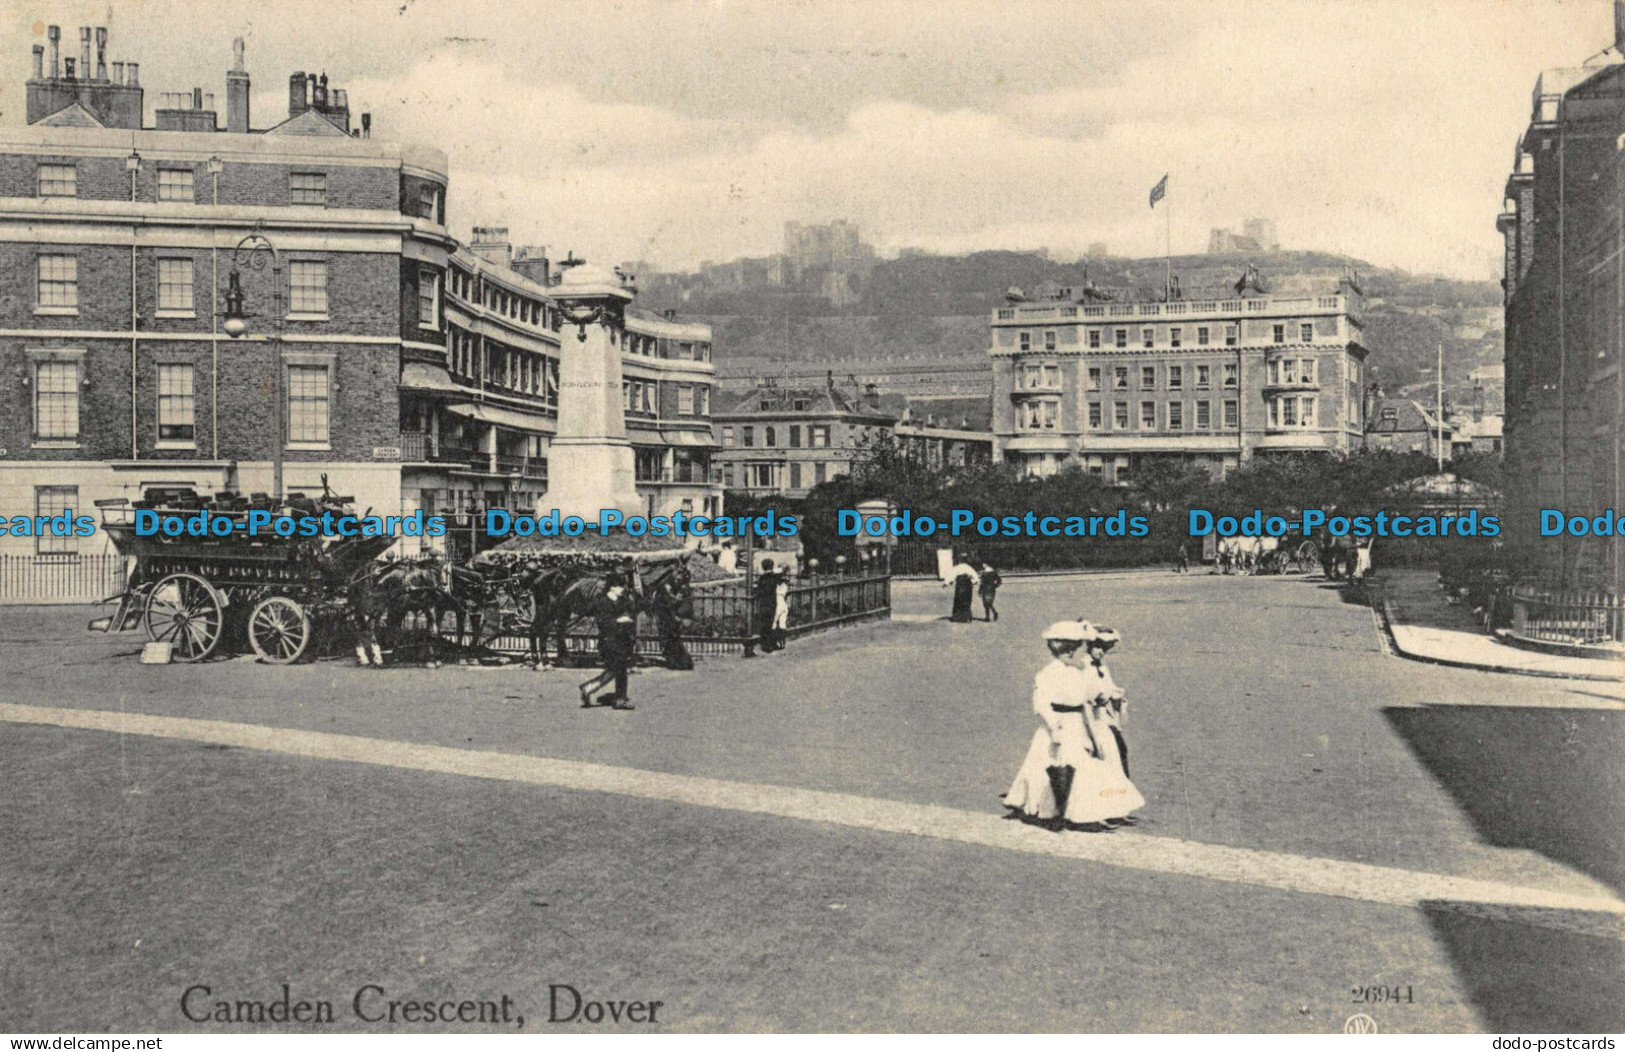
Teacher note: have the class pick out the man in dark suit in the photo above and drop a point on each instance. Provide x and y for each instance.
(616, 615)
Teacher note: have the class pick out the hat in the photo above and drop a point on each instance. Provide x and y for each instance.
(1082, 632)
(1070, 631)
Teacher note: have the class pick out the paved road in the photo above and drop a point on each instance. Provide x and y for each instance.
(1320, 816)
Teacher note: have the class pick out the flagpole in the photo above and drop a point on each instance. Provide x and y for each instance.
(1439, 404)
(1167, 248)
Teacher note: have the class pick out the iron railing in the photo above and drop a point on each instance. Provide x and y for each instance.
(1579, 618)
(61, 578)
(723, 615)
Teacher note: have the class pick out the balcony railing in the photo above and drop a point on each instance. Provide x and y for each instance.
(417, 447)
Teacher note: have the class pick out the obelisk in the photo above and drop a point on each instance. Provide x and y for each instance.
(590, 464)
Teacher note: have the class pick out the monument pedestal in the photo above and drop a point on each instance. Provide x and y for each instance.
(589, 474)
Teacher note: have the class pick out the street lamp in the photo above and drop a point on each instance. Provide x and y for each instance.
(254, 251)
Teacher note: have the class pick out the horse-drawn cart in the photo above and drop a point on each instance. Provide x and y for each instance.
(202, 593)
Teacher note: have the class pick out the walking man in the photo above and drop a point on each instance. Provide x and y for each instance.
(768, 583)
(616, 615)
(988, 589)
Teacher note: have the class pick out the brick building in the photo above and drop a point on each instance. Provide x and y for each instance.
(1212, 380)
(1565, 403)
(116, 241)
(414, 372)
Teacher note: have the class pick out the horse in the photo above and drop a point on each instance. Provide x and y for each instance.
(563, 594)
(1338, 556)
(401, 588)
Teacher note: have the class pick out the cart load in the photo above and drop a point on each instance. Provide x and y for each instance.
(201, 593)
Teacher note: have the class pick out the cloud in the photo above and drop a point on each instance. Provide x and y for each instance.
(684, 132)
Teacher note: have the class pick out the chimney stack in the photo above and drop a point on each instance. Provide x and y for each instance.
(532, 262)
(39, 61)
(101, 52)
(296, 94)
(54, 35)
(237, 91)
(84, 52)
(492, 245)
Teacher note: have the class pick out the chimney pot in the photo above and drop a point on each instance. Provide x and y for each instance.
(197, 98)
(132, 74)
(84, 52)
(101, 52)
(366, 125)
(67, 68)
(54, 35)
(118, 73)
(39, 61)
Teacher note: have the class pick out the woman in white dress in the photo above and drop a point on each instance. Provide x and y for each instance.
(1073, 773)
(1105, 718)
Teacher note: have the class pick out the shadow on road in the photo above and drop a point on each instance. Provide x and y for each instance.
(1530, 979)
(1548, 780)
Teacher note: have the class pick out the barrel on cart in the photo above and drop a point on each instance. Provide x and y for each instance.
(217, 590)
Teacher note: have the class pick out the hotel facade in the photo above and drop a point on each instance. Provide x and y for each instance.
(1109, 382)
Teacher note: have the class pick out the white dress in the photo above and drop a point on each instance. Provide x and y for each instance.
(1080, 740)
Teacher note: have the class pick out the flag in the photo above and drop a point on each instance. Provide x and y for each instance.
(1159, 191)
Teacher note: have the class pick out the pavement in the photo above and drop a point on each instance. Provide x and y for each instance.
(1423, 628)
(813, 840)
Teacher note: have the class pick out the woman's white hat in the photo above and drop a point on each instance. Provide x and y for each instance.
(1082, 632)
(1069, 631)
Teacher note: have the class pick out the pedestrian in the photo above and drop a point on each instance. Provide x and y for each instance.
(1362, 559)
(766, 601)
(727, 559)
(1110, 701)
(988, 588)
(781, 612)
(1182, 561)
(616, 615)
(1073, 773)
(963, 577)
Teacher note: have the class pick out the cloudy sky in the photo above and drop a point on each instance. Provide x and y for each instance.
(681, 132)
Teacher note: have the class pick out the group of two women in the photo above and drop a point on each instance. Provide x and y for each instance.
(1076, 771)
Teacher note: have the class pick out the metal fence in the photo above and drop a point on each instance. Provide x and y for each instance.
(723, 615)
(1580, 618)
(60, 578)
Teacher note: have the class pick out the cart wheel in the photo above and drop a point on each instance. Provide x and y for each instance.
(186, 612)
(279, 630)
